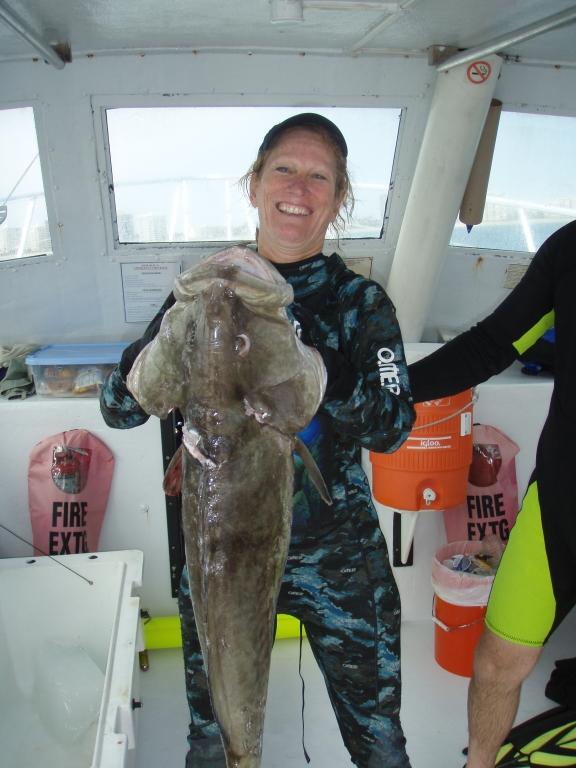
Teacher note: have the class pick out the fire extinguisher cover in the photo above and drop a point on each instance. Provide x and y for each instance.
(491, 503)
(69, 479)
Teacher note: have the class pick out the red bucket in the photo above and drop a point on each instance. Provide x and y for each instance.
(459, 606)
(456, 632)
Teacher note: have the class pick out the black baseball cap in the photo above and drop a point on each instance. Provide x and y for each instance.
(305, 120)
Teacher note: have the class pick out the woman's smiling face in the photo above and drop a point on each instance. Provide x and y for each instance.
(295, 195)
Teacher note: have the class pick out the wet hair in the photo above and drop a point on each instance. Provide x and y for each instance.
(332, 136)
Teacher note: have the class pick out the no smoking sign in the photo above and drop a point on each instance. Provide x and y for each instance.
(478, 72)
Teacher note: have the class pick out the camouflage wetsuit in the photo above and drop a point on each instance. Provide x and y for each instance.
(338, 580)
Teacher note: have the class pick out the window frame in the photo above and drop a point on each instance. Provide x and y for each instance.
(130, 252)
(495, 251)
(48, 185)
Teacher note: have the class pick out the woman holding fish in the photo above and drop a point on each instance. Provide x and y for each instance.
(337, 578)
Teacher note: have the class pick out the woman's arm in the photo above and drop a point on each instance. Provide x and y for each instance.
(495, 342)
(377, 409)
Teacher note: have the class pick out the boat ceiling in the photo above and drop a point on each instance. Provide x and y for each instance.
(329, 27)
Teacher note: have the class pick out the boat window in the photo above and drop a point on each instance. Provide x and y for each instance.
(23, 219)
(531, 190)
(175, 170)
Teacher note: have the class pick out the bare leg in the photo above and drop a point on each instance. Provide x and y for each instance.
(500, 668)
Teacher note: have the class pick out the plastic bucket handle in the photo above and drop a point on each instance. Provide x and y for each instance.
(447, 628)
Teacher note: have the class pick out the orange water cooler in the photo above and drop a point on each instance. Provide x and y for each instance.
(430, 470)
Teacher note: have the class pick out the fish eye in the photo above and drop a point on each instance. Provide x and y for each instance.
(242, 344)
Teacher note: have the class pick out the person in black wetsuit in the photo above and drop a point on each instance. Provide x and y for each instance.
(535, 586)
(338, 580)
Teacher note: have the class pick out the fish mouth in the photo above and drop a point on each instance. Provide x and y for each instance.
(246, 260)
(293, 210)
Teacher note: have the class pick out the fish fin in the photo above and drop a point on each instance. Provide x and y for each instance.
(313, 471)
(172, 484)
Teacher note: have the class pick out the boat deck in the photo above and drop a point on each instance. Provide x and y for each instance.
(433, 705)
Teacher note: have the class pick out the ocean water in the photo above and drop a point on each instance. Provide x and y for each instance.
(506, 235)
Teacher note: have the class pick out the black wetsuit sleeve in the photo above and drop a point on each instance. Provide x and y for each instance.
(463, 362)
(495, 342)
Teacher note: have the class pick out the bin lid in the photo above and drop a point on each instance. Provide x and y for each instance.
(77, 354)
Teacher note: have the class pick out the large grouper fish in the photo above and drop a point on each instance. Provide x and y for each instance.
(228, 358)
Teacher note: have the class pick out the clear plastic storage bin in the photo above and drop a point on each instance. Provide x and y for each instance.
(72, 370)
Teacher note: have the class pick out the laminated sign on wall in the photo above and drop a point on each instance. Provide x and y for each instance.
(492, 496)
(69, 478)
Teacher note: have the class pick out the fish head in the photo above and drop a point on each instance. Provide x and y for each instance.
(216, 344)
(227, 347)
(252, 279)
(281, 380)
